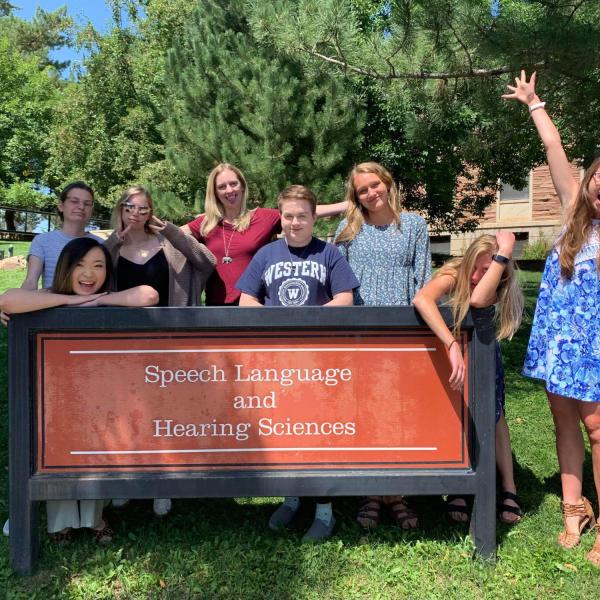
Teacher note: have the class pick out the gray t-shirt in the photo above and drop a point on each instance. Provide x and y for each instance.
(47, 247)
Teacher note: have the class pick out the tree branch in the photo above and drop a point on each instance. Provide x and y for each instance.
(468, 74)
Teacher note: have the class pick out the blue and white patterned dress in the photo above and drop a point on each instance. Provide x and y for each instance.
(391, 264)
(564, 347)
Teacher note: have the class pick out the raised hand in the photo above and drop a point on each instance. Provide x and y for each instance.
(123, 231)
(157, 225)
(506, 242)
(523, 90)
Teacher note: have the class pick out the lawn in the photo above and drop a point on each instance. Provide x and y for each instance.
(223, 549)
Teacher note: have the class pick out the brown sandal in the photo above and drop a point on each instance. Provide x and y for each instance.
(403, 514)
(103, 536)
(594, 554)
(62, 538)
(586, 519)
(369, 512)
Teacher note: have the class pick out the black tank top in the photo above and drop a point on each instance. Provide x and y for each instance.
(154, 272)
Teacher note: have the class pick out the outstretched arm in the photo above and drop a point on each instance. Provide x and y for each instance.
(565, 184)
(22, 301)
(331, 210)
(425, 302)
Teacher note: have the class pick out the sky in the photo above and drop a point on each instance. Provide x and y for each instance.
(81, 10)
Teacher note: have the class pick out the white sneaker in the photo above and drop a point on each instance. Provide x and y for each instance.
(6, 527)
(161, 506)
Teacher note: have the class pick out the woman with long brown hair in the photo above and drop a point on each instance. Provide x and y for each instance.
(564, 347)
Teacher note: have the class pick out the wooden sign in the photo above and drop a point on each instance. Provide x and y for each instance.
(189, 401)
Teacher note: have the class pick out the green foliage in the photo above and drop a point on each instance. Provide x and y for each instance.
(23, 194)
(537, 250)
(45, 32)
(432, 72)
(107, 127)
(27, 100)
(236, 100)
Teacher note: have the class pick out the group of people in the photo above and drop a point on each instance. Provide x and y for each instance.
(380, 256)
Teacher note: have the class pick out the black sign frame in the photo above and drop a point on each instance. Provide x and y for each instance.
(27, 488)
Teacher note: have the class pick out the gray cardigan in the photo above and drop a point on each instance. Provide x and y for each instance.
(190, 264)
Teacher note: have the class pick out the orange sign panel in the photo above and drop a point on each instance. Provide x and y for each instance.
(290, 400)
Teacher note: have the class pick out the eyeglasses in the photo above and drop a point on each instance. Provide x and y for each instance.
(596, 176)
(141, 210)
(79, 201)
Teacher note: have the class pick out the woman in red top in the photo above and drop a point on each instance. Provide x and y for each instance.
(233, 233)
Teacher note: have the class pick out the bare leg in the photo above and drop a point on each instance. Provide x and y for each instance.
(504, 464)
(570, 451)
(590, 415)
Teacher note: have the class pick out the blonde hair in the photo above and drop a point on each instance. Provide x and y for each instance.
(355, 213)
(578, 225)
(509, 296)
(213, 207)
(117, 215)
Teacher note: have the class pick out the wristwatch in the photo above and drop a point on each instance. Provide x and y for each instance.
(501, 259)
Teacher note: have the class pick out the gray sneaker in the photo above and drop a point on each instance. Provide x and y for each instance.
(161, 506)
(319, 530)
(282, 517)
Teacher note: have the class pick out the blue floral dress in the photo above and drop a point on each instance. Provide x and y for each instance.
(391, 264)
(564, 347)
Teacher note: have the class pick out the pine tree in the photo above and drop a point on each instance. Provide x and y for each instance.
(239, 101)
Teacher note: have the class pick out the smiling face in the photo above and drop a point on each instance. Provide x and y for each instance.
(482, 264)
(136, 211)
(297, 221)
(229, 189)
(371, 192)
(77, 206)
(89, 274)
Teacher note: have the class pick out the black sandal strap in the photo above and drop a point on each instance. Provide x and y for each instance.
(505, 495)
(515, 510)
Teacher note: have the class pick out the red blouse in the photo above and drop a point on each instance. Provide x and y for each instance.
(241, 246)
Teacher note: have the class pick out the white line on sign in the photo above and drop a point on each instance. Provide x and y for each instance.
(214, 450)
(254, 350)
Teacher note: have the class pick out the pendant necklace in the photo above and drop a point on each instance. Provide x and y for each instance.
(227, 259)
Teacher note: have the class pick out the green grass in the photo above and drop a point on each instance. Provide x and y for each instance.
(222, 548)
(19, 248)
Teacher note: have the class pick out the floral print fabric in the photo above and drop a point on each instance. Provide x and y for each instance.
(391, 264)
(564, 347)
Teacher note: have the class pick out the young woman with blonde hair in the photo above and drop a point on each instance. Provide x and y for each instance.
(233, 232)
(147, 250)
(483, 277)
(388, 250)
(564, 347)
